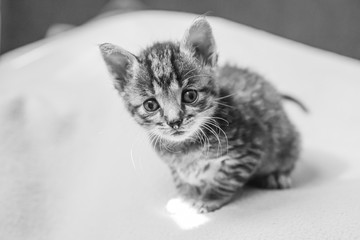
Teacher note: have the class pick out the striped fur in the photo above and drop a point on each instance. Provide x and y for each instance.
(235, 132)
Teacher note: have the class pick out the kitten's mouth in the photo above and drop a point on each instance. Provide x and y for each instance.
(178, 133)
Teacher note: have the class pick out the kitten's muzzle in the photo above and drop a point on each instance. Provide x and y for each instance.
(175, 124)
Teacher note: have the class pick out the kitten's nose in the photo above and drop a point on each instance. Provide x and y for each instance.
(175, 124)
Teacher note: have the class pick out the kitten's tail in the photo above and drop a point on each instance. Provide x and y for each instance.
(296, 101)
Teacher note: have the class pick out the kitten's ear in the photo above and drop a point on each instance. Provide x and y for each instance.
(199, 39)
(120, 63)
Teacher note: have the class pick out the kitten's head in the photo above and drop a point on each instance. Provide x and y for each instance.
(169, 88)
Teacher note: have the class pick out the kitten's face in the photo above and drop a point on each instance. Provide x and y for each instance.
(169, 89)
(171, 95)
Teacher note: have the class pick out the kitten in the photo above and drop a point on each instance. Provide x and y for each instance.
(217, 128)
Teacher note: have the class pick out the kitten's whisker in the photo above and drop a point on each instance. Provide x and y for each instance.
(223, 104)
(207, 139)
(211, 121)
(215, 124)
(132, 153)
(226, 96)
(200, 138)
(214, 133)
(156, 141)
(153, 137)
(132, 158)
(217, 137)
(227, 122)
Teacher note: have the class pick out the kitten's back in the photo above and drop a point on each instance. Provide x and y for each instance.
(246, 86)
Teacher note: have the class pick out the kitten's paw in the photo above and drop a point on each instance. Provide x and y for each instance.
(273, 181)
(206, 206)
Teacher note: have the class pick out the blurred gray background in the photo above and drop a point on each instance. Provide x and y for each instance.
(333, 25)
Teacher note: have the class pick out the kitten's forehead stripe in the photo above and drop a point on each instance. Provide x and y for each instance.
(175, 67)
(160, 63)
(148, 63)
(174, 87)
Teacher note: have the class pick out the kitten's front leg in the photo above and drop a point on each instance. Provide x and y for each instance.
(230, 177)
(211, 199)
(204, 198)
(217, 182)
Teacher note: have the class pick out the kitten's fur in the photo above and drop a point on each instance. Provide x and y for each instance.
(234, 132)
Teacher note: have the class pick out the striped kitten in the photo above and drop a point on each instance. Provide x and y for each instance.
(217, 128)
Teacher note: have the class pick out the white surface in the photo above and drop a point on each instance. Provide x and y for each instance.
(74, 165)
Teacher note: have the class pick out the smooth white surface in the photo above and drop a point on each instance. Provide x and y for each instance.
(74, 165)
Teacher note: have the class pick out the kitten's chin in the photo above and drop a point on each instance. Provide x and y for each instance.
(174, 136)
(178, 137)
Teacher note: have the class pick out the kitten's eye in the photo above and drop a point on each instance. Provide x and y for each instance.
(151, 105)
(189, 96)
